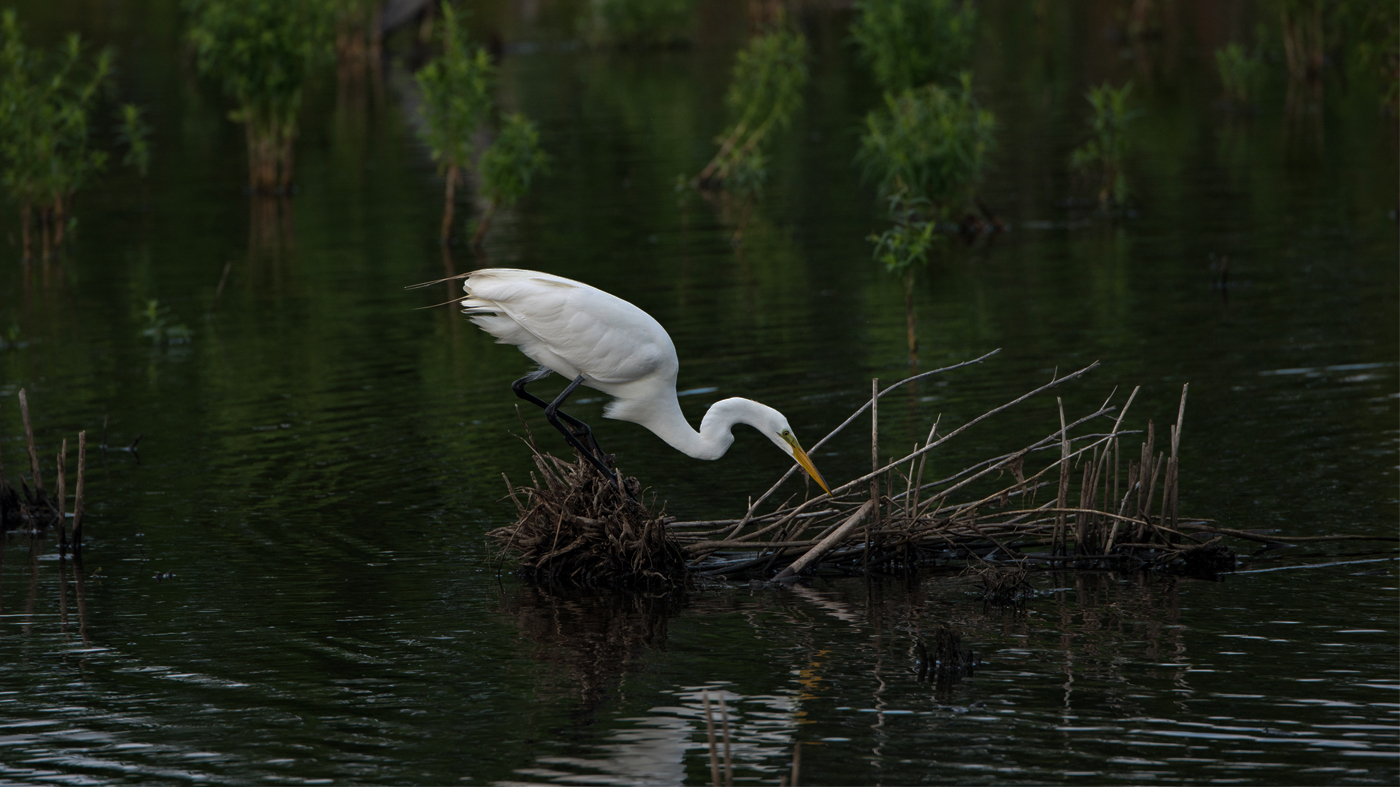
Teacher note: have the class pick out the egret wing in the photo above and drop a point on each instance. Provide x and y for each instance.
(569, 326)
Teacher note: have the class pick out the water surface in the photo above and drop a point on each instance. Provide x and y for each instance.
(293, 584)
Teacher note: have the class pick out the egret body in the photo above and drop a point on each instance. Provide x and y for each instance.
(603, 342)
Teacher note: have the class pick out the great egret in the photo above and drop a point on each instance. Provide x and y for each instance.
(603, 342)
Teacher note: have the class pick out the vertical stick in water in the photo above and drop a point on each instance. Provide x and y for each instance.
(77, 539)
(62, 497)
(728, 747)
(29, 438)
(710, 733)
(1176, 442)
(1062, 501)
(874, 520)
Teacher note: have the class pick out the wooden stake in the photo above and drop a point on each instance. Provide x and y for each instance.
(2, 474)
(918, 483)
(728, 747)
(29, 438)
(62, 498)
(1062, 500)
(874, 468)
(76, 541)
(1176, 444)
(710, 733)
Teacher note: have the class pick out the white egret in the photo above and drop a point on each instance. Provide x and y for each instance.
(603, 342)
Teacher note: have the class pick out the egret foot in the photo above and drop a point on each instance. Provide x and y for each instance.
(576, 432)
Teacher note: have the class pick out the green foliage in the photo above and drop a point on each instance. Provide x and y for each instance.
(909, 241)
(644, 23)
(748, 174)
(46, 107)
(512, 162)
(12, 340)
(764, 95)
(159, 329)
(456, 89)
(1375, 29)
(1239, 73)
(909, 43)
(769, 75)
(927, 146)
(1106, 150)
(133, 132)
(261, 52)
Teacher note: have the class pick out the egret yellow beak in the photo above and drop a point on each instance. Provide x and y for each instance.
(806, 462)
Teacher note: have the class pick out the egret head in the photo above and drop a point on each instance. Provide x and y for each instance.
(781, 434)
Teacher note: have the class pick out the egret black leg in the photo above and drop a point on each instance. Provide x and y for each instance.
(580, 429)
(519, 387)
(577, 435)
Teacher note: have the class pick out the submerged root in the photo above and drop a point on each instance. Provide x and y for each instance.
(576, 528)
(1206, 561)
(942, 659)
(1006, 587)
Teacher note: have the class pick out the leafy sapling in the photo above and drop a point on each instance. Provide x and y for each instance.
(456, 89)
(509, 166)
(1104, 153)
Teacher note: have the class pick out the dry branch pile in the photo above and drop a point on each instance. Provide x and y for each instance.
(1083, 495)
(576, 528)
(1089, 494)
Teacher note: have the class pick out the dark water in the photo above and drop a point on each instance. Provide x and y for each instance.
(319, 464)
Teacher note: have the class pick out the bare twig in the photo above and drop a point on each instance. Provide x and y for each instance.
(29, 439)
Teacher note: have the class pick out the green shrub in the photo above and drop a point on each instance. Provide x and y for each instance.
(456, 88)
(927, 147)
(908, 43)
(1239, 73)
(643, 23)
(509, 166)
(905, 247)
(907, 244)
(134, 134)
(158, 327)
(46, 106)
(1375, 28)
(1104, 153)
(512, 162)
(764, 95)
(261, 52)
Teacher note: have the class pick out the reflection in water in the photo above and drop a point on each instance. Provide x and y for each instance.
(595, 636)
(600, 637)
(1110, 638)
(321, 460)
(67, 565)
(271, 224)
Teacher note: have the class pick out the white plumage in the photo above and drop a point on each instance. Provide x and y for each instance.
(576, 330)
